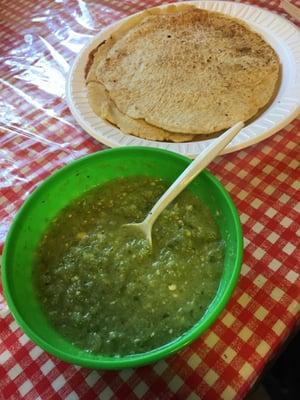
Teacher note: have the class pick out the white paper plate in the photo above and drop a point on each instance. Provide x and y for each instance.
(282, 35)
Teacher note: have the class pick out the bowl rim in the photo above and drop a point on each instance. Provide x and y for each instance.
(140, 359)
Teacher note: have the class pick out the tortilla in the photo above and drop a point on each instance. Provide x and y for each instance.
(190, 72)
(105, 108)
(181, 70)
(102, 104)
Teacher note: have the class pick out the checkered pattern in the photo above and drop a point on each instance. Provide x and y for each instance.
(38, 42)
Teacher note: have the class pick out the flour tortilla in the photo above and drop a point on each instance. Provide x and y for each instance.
(190, 72)
(105, 108)
(101, 51)
(103, 105)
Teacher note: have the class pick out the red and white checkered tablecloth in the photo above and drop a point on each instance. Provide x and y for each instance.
(39, 40)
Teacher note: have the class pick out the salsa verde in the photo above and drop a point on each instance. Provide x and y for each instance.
(105, 289)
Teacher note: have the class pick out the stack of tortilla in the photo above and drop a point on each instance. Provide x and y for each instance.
(181, 73)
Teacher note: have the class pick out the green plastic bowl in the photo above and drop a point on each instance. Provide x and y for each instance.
(69, 183)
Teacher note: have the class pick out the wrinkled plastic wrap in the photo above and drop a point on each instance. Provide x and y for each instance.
(39, 41)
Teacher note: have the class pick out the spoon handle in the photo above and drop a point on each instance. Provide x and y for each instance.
(200, 162)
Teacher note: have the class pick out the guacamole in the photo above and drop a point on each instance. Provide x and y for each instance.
(105, 289)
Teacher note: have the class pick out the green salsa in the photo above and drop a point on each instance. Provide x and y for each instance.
(103, 287)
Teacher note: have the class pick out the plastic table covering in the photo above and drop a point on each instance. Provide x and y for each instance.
(39, 40)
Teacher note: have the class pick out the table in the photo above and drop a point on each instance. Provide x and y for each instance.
(38, 135)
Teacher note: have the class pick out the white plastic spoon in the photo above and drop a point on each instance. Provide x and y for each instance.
(200, 162)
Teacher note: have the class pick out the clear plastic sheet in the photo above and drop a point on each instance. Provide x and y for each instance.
(39, 41)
